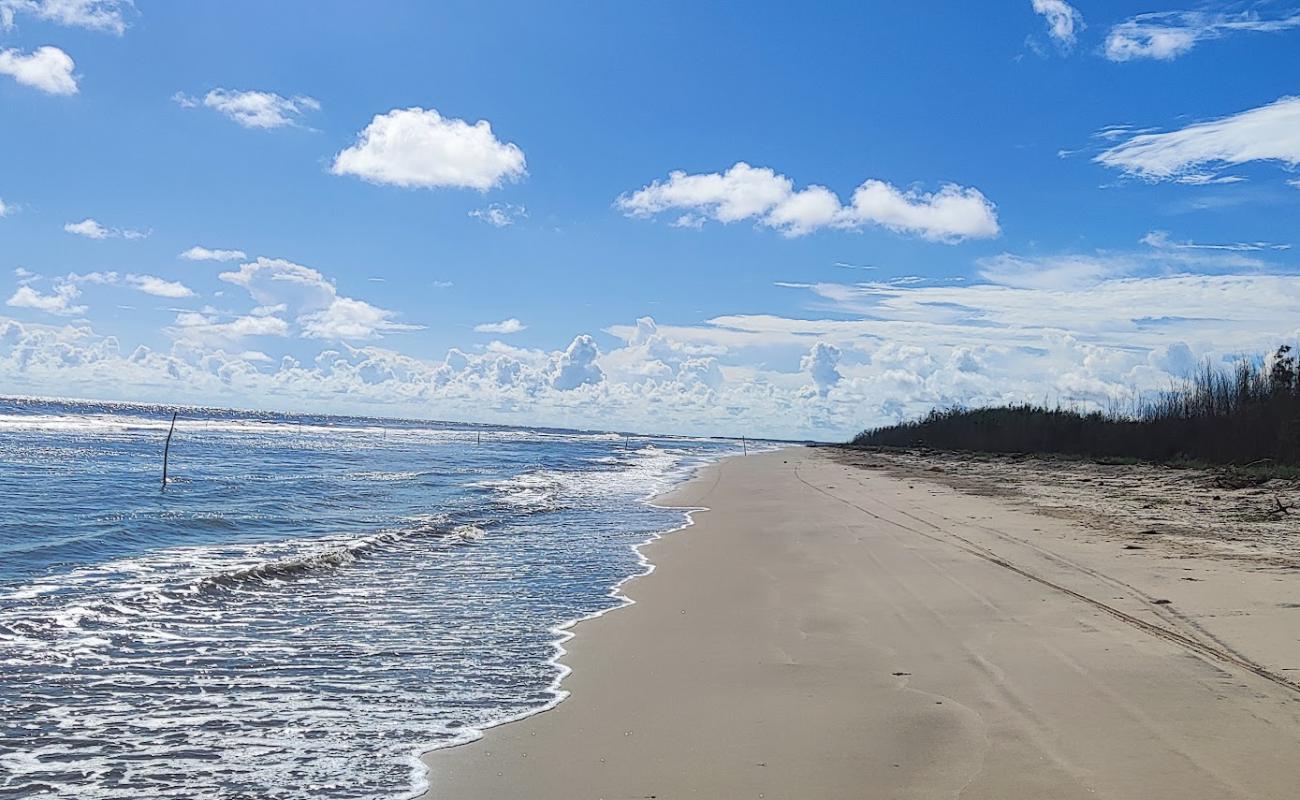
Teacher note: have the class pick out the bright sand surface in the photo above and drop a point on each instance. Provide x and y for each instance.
(826, 631)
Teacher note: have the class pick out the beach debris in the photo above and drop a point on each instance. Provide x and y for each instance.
(1281, 508)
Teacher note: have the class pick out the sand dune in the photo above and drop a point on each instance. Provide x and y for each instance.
(829, 631)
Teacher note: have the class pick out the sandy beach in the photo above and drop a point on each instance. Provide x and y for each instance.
(831, 628)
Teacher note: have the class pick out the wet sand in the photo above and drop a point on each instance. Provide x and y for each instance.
(830, 631)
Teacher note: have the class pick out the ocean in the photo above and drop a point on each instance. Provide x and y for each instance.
(312, 601)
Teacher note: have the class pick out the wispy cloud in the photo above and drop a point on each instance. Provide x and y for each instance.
(1166, 35)
(1063, 21)
(760, 194)
(500, 215)
(99, 15)
(1161, 240)
(511, 325)
(253, 109)
(91, 229)
(1267, 133)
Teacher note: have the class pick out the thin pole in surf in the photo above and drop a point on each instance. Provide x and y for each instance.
(744, 446)
(167, 449)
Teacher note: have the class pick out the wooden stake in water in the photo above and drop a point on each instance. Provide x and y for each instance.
(167, 449)
(744, 446)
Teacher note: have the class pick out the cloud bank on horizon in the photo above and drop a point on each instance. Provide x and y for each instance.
(672, 279)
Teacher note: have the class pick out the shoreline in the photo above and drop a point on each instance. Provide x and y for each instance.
(831, 631)
(564, 632)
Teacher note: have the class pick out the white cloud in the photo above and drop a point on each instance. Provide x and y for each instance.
(1063, 20)
(197, 253)
(195, 327)
(820, 365)
(4, 209)
(1267, 133)
(891, 351)
(951, 214)
(100, 15)
(91, 229)
(1162, 240)
(88, 228)
(1295, 183)
(577, 366)
(348, 318)
(46, 68)
(319, 310)
(511, 325)
(744, 192)
(273, 281)
(253, 109)
(159, 287)
(59, 302)
(500, 215)
(1166, 35)
(414, 147)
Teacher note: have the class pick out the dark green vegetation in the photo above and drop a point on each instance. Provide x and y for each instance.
(1248, 416)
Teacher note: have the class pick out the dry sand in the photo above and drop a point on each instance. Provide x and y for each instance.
(831, 631)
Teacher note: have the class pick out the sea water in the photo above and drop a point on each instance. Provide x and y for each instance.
(310, 603)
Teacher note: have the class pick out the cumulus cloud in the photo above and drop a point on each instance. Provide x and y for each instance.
(820, 364)
(48, 69)
(1166, 35)
(891, 350)
(511, 325)
(99, 15)
(1267, 133)
(415, 147)
(159, 287)
(197, 253)
(500, 215)
(1063, 20)
(761, 194)
(253, 109)
(320, 311)
(91, 229)
(577, 366)
(60, 302)
(705, 372)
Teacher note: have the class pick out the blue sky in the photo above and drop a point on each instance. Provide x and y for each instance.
(1063, 201)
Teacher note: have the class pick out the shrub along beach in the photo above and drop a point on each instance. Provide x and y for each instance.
(1247, 417)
